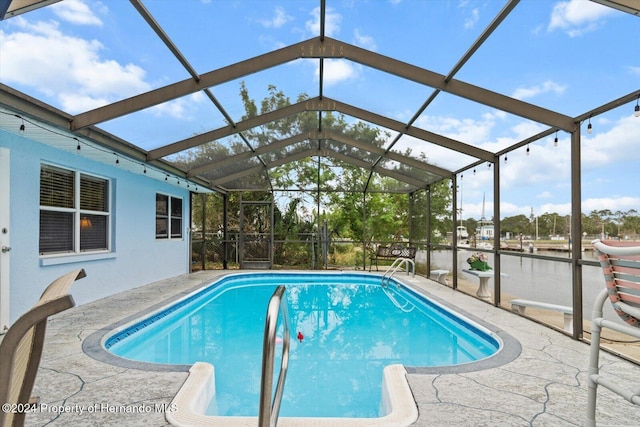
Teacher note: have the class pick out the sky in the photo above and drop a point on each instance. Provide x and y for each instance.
(569, 56)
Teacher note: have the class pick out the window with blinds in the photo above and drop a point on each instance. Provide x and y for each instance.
(168, 217)
(74, 212)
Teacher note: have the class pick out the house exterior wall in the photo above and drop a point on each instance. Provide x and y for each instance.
(136, 257)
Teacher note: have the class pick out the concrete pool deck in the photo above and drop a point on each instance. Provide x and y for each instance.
(544, 385)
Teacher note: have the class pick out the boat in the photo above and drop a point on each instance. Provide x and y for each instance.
(462, 233)
(484, 231)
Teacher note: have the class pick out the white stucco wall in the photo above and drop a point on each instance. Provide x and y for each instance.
(137, 257)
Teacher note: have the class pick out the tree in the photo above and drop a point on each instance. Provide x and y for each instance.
(516, 225)
(344, 192)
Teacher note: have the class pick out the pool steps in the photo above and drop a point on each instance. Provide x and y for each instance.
(193, 398)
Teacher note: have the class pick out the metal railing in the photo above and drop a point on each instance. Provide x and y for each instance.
(269, 409)
(395, 266)
(406, 307)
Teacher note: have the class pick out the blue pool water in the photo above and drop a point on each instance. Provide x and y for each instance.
(352, 328)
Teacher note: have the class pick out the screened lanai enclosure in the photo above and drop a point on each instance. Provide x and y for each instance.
(288, 169)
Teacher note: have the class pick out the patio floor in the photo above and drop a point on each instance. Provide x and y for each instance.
(544, 385)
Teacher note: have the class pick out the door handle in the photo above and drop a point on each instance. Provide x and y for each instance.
(6, 249)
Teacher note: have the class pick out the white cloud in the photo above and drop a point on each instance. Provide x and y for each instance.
(612, 203)
(278, 20)
(338, 70)
(545, 195)
(634, 70)
(364, 41)
(180, 108)
(68, 68)
(471, 21)
(76, 12)
(332, 22)
(577, 17)
(469, 131)
(618, 144)
(545, 172)
(532, 91)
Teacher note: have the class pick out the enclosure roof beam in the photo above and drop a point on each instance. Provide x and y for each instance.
(411, 131)
(324, 153)
(226, 131)
(162, 35)
(11, 8)
(327, 48)
(317, 104)
(367, 146)
(502, 15)
(506, 10)
(272, 146)
(188, 86)
(137, 4)
(237, 175)
(242, 173)
(379, 169)
(452, 86)
(629, 6)
(325, 135)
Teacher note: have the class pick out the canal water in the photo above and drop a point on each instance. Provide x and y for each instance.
(535, 279)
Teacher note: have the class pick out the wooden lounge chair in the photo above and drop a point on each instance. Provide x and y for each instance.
(621, 267)
(21, 349)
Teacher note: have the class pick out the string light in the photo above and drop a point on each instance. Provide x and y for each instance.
(505, 158)
(79, 143)
(489, 165)
(528, 150)
(555, 141)
(636, 110)
(589, 128)
(474, 171)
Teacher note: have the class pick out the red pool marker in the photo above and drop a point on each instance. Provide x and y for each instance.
(300, 336)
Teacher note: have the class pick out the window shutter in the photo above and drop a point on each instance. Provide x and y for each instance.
(66, 217)
(93, 194)
(56, 187)
(93, 232)
(56, 232)
(176, 217)
(162, 216)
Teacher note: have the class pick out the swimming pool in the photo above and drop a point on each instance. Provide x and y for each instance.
(351, 328)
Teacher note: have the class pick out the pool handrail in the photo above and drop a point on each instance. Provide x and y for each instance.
(403, 307)
(395, 266)
(269, 410)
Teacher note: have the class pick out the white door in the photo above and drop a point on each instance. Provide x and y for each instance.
(5, 246)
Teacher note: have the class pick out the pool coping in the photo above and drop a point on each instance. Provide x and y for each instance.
(397, 395)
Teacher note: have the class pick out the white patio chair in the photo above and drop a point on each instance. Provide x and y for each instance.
(621, 267)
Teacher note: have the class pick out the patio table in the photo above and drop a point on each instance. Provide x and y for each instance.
(484, 276)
